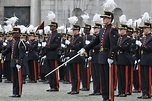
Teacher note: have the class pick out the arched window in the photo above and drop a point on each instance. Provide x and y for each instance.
(117, 13)
(78, 12)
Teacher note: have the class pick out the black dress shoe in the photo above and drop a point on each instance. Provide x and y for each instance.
(140, 97)
(15, 96)
(32, 81)
(74, 92)
(91, 94)
(52, 90)
(128, 93)
(135, 91)
(122, 95)
(117, 95)
(146, 97)
(84, 89)
(97, 93)
(69, 92)
(7, 81)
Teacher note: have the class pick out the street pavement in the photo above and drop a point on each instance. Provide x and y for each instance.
(37, 92)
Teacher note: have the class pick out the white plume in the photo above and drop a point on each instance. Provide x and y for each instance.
(8, 28)
(73, 20)
(69, 31)
(145, 17)
(137, 22)
(61, 29)
(11, 21)
(30, 29)
(129, 22)
(85, 17)
(122, 19)
(109, 5)
(47, 29)
(1, 29)
(50, 16)
(23, 28)
(97, 19)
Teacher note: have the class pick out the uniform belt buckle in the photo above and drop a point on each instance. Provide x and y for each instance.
(101, 49)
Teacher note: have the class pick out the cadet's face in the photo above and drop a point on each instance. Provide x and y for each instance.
(106, 20)
(96, 30)
(146, 30)
(75, 32)
(31, 37)
(1, 38)
(122, 31)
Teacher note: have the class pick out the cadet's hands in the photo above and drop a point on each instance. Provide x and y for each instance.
(81, 51)
(87, 42)
(4, 44)
(89, 58)
(110, 61)
(138, 43)
(18, 66)
(67, 42)
(43, 44)
(63, 46)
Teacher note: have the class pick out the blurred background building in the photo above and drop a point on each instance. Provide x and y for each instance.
(35, 11)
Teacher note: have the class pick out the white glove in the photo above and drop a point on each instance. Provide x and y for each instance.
(138, 43)
(89, 58)
(4, 43)
(27, 42)
(67, 42)
(67, 58)
(87, 42)
(44, 57)
(18, 66)
(43, 44)
(81, 51)
(110, 61)
(63, 46)
(39, 44)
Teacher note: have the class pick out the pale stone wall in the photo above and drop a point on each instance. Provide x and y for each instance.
(64, 8)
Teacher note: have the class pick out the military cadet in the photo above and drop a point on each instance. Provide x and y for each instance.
(1, 59)
(138, 34)
(95, 68)
(7, 58)
(53, 43)
(145, 61)
(123, 61)
(32, 58)
(108, 37)
(74, 65)
(85, 69)
(43, 67)
(23, 38)
(18, 51)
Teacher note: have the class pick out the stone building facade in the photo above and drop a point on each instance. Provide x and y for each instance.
(35, 11)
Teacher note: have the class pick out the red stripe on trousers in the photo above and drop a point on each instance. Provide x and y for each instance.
(35, 73)
(20, 81)
(56, 73)
(139, 77)
(126, 88)
(78, 73)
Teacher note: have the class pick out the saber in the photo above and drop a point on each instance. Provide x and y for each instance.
(62, 65)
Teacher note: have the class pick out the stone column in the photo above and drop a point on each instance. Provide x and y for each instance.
(35, 12)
